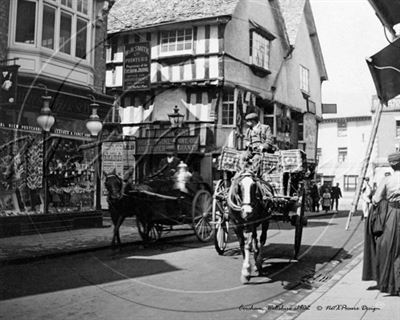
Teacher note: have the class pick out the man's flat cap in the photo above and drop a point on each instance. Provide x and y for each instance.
(252, 116)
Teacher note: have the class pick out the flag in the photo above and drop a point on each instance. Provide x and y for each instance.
(388, 12)
(385, 70)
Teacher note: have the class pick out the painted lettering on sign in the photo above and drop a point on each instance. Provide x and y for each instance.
(137, 66)
(185, 144)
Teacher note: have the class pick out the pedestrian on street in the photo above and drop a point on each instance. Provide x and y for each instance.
(326, 200)
(336, 194)
(315, 198)
(366, 197)
(388, 244)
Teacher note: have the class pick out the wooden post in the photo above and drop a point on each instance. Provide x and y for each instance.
(365, 164)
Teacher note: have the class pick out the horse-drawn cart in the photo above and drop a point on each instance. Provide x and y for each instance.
(162, 206)
(281, 173)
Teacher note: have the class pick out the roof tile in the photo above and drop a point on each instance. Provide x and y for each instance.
(133, 14)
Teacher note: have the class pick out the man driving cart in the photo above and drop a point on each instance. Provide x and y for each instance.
(258, 139)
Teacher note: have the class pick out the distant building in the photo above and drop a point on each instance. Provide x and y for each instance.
(341, 149)
(387, 138)
(216, 60)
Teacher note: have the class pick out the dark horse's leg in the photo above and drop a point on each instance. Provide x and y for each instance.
(117, 219)
(121, 219)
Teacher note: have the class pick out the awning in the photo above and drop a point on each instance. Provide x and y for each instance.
(388, 12)
(385, 70)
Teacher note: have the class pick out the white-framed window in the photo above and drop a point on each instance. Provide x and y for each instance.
(259, 50)
(228, 108)
(342, 154)
(342, 129)
(350, 182)
(176, 41)
(397, 128)
(304, 79)
(59, 25)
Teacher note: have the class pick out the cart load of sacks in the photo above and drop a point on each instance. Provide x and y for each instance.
(274, 168)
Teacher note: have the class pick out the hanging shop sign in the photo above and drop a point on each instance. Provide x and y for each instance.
(184, 144)
(137, 66)
(8, 84)
(310, 135)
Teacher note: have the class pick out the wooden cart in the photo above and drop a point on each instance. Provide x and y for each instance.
(284, 171)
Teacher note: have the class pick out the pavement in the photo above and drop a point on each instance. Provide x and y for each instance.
(21, 249)
(344, 296)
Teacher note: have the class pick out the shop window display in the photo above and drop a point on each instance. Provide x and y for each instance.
(70, 175)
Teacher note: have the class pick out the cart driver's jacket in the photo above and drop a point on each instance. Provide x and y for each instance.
(259, 135)
(257, 139)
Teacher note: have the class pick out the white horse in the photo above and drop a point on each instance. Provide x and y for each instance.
(248, 199)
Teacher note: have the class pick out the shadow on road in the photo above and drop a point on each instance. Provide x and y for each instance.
(279, 266)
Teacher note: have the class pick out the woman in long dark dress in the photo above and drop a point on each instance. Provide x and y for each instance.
(388, 244)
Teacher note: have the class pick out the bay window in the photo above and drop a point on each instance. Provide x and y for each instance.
(26, 22)
(259, 50)
(81, 36)
(65, 32)
(82, 6)
(59, 25)
(49, 18)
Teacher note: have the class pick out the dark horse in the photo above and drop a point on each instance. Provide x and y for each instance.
(120, 205)
(250, 206)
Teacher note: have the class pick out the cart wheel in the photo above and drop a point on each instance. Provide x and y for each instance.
(149, 231)
(220, 217)
(300, 222)
(202, 215)
(221, 235)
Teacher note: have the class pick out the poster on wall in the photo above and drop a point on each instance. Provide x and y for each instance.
(129, 157)
(137, 66)
(112, 158)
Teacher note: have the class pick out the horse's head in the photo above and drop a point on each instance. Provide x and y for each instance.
(247, 191)
(113, 184)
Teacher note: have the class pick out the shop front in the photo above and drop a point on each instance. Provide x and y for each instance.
(32, 162)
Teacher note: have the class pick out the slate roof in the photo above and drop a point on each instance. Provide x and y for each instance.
(133, 14)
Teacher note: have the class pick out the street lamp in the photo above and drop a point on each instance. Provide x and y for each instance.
(45, 120)
(176, 118)
(94, 126)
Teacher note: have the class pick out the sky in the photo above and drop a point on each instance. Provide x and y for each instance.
(349, 32)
